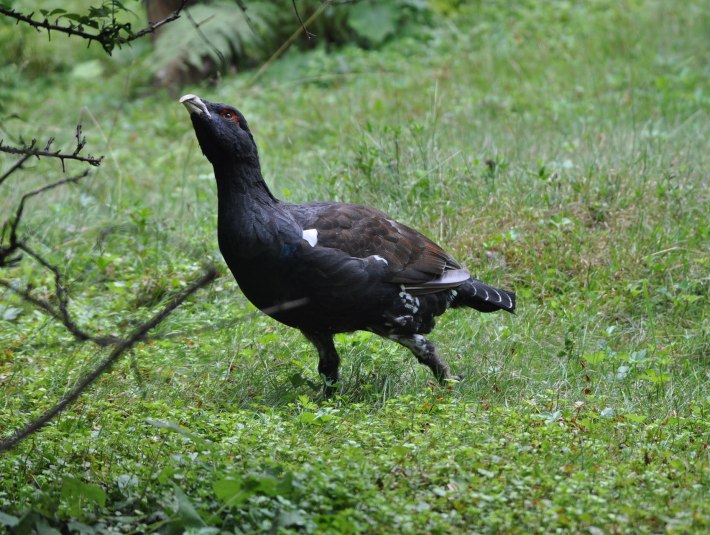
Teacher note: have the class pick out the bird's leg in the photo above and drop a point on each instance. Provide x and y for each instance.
(426, 353)
(328, 359)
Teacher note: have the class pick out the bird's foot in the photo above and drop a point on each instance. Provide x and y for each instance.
(451, 380)
(330, 387)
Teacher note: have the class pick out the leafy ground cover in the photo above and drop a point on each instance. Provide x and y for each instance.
(556, 148)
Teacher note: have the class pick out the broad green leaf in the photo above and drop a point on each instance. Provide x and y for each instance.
(231, 490)
(187, 512)
(77, 494)
(636, 418)
(595, 358)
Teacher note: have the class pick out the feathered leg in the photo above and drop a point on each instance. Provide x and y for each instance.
(328, 359)
(426, 353)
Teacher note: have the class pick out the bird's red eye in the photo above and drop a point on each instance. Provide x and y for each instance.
(229, 115)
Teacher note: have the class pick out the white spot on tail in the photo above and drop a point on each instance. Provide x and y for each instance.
(311, 236)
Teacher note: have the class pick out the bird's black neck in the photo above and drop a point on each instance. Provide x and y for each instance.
(240, 183)
(245, 205)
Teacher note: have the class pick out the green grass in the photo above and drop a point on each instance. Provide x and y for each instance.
(556, 148)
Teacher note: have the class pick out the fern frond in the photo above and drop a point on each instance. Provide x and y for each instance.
(220, 30)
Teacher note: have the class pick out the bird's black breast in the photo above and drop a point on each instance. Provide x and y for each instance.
(328, 295)
(331, 301)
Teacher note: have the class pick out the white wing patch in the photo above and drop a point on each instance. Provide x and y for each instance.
(311, 236)
(381, 259)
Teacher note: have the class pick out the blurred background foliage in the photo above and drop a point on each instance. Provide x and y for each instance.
(211, 37)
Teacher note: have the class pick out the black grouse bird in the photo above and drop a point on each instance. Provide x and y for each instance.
(329, 267)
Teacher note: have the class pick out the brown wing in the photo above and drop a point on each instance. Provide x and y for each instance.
(412, 258)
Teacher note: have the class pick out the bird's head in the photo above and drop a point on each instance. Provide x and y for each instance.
(222, 131)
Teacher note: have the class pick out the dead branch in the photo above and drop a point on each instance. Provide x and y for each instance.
(33, 150)
(10, 226)
(61, 315)
(61, 312)
(6, 251)
(119, 350)
(309, 35)
(14, 167)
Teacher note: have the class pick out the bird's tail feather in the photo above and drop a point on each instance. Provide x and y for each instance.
(484, 298)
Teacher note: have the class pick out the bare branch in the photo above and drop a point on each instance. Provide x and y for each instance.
(33, 150)
(27, 152)
(62, 314)
(119, 350)
(309, 35)
(15, 244)
(108, 36)
(14, 167)
(36, 301)
(7, 250)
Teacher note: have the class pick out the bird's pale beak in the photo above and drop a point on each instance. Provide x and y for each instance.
(194, 104)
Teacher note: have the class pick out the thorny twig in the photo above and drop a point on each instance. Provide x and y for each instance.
(14, 244)
(33, 150)
(119, 350)
(10, 227)
(108, 36)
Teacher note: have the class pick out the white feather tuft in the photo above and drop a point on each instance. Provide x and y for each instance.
(311, 236)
